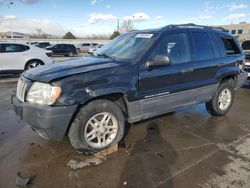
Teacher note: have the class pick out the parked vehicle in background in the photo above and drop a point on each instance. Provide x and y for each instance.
(15, 57)
(84, 47)
(246, 48)
(43, 44)
(93, 49)
(136, 76)
(31, 43)
(63, 49)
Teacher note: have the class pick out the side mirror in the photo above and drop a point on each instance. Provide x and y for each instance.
(159, 60)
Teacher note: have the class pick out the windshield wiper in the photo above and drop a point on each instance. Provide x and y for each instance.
(107, 56)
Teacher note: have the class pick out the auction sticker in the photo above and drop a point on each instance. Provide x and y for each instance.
(144, 35)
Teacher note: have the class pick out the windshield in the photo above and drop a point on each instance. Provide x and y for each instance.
(127, 47)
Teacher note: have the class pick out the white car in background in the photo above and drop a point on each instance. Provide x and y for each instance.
(93, 49)
(84, 47)
(15, 57)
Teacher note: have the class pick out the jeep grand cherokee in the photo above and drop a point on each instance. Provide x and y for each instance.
(136, 76)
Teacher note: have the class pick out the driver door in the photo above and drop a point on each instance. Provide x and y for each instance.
(164, 88)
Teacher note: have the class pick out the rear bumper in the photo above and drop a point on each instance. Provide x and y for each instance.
(247, 68)
(241, 79)
(48, 122)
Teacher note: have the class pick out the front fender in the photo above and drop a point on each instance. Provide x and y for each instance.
(106, 89)
(81, 88)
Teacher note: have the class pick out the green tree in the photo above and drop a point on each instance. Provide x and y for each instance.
(69, 35)
(115, 34)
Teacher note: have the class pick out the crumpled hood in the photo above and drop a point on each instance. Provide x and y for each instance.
(62, 69)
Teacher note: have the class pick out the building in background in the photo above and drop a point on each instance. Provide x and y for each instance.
(15, 35)
(241, 30)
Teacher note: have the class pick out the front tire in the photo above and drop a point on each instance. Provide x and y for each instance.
(222, 101)
(97, 126)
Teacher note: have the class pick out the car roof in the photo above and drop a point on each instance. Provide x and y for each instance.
(190, 26)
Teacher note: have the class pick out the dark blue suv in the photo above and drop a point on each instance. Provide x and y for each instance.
(136, 76)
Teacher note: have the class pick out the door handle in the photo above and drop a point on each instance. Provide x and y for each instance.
(187, 70)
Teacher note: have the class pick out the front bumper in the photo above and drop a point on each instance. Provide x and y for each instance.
(241, 79)
(48, 122)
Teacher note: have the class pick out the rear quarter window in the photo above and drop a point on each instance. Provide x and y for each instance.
(230, 46)
(246, 45)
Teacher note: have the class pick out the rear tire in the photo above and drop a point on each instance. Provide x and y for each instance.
(33, 64)
(222, 101)
(97, 126)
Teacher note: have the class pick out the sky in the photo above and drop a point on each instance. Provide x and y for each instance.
(86, 17)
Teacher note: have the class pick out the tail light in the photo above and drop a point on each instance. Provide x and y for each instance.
(49, 54)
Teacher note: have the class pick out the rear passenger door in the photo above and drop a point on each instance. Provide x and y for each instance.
(206, 57)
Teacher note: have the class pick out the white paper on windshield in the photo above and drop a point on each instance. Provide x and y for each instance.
(144, 36)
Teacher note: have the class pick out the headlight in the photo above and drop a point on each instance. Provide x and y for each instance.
(42, 93)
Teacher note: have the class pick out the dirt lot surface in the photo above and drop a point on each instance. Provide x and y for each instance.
(185, 149)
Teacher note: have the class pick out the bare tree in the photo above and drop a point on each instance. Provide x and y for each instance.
(39, 31)
(126, 26)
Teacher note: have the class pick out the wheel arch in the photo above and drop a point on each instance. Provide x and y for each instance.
(228, 74)
(34, 59)
(117, 97)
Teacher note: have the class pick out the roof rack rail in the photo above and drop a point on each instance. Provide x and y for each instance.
(195, 26)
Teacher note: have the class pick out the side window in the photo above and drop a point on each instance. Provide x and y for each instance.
(203, 46)
(233, 32)
(231, 47)
(42, 45)
(11, 48)
(175, 46)
(58, 46)
(240, 31)
(86, 44)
